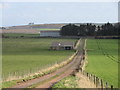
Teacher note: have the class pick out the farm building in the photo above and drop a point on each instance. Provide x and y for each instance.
(62, 46)
(50, 33)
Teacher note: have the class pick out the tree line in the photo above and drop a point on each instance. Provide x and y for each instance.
(89, 29)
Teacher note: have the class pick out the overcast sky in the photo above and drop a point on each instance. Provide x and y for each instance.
(21, 13)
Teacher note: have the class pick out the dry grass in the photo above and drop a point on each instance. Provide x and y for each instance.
(84, 82)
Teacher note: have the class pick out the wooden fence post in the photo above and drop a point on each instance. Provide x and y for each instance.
(101, 83)
(111, 87)
(106, 85)
(87, 74)
(94, 79)
(98, 82)
(91, 77)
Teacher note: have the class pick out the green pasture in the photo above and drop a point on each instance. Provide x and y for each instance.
(102, 56)
(25, 55)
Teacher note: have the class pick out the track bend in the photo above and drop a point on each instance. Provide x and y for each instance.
(58, 74)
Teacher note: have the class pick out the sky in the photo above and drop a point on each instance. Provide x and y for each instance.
(119, 11)
(22, 13)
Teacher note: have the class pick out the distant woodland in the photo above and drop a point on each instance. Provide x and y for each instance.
(88, 29)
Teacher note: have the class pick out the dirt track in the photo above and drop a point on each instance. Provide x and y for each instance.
(60, 73)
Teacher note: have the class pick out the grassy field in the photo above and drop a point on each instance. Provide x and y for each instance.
(103, 59)
(26, 55)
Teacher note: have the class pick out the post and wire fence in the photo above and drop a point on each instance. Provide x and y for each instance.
(98, 82)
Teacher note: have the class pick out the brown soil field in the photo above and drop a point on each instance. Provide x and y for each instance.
(27, 31)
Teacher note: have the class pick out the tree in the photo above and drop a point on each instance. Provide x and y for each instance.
(107, 29)
(82, 30)
(70, 30)
(90, 29)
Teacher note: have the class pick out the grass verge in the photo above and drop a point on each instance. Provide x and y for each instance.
(68, 82)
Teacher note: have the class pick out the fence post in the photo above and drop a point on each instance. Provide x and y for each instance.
(106, 85)
(111, 87)
(94, 79)
(87, 74)
(91, 77)
(101, 83)
(98, 82)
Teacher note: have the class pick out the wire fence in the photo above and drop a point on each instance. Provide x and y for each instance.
(99, 83)
(25, 73)
(38, 70)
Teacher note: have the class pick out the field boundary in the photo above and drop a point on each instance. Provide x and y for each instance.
(99, 83)
(84, 61)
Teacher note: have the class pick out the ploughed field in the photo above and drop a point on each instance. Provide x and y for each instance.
(102, 56)
(28, 55)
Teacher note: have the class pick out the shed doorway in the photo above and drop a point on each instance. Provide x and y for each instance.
(68, 48)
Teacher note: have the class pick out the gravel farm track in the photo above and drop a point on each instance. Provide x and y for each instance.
(47, 81)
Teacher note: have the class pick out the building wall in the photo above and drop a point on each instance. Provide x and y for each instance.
(52, 34)
(61, 48)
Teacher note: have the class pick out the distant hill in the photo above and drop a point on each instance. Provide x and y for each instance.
(53, 26)
(37, 27)
(50, 26)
